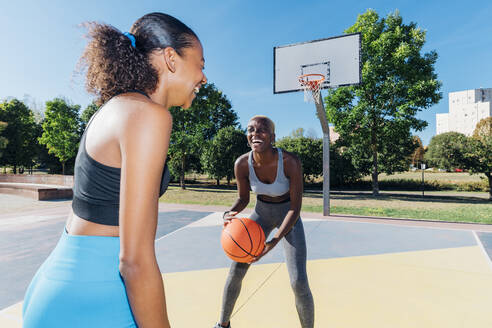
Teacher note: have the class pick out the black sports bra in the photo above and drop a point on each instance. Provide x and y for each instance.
(96, 189)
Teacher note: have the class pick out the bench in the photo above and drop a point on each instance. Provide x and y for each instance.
(42, 187)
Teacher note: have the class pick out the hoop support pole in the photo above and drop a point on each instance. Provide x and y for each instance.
(321, 113)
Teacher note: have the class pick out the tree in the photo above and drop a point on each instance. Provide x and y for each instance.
(375, 118)
(20, 132)
(61, 130)
(43, 158)
(483, 129)
(86, 115)
(3, 141)
(223, 150)
(446, 151)
(418, 154)
(478, 154)
(298, 133)
(309, 151)
(197, 125)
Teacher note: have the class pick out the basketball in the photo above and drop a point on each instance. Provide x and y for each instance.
(242, 240)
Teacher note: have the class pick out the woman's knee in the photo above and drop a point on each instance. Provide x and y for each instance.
(238, 270)
(300, 287)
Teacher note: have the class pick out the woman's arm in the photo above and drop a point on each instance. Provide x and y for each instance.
(241, 171)
(144, 144)
(293, 170)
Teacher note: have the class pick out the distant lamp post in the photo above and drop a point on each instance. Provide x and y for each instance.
(422, 166)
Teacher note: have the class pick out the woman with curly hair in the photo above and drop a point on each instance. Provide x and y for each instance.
(103, 271)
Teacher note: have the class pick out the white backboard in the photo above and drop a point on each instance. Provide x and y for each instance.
(337, 58)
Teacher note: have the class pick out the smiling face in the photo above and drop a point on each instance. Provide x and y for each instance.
(189, 75)
(260, 134)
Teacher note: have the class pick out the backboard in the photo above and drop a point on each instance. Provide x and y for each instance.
(337, 58)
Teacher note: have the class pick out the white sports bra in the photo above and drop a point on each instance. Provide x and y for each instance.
(279, 187)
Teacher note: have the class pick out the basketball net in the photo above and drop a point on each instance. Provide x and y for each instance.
(311, 84)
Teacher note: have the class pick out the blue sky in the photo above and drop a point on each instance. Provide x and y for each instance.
(41, 42)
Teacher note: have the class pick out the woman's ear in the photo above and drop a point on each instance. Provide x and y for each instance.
(170, 59)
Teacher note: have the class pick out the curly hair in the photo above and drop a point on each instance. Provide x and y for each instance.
(115, 66)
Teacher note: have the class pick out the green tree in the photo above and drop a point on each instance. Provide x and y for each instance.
(86, 115)
(342, 171)
(196, 126)
(418, 155)
(309, 151)
(479, 151)
(61, 130)
(223, 150)
(447, 151)
(298, 133)
(3, 141)
(375, 118)
(20, 132)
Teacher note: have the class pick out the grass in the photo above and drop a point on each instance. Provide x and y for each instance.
(439, 206)
(432, 176)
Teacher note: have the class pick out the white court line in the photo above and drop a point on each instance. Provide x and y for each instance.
(479, 242)
(184, 227)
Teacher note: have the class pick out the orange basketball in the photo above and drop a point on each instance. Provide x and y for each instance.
(242, 240)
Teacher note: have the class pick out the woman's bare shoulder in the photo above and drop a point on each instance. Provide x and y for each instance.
(242, 160)
(136, 116)
(291, 160)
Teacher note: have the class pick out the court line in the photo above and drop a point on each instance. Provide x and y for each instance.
(257, 289)
(479, 242)
(183, 227)
(270, 275)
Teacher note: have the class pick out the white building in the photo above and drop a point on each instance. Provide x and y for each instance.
(466, 109)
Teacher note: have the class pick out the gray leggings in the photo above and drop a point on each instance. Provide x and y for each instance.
(270, 216)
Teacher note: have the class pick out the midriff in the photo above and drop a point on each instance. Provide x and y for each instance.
(79, 226)
(276, 199)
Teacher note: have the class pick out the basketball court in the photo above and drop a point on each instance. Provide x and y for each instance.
(363, 272)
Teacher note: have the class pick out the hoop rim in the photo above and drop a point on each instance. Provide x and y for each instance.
(313, 84)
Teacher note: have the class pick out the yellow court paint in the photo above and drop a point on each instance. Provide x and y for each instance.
(193, 298)
(11, 317)
(436, 288)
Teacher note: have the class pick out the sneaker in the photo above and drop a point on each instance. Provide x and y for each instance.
(217, 325)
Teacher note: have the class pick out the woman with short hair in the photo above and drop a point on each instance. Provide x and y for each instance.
(276, 177)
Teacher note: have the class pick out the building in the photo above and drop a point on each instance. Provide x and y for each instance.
(466, 109)
(334, 136)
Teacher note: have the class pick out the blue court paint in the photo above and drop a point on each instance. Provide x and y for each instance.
(25, 249)
(325, 239)
(171, 221)
(486, 239)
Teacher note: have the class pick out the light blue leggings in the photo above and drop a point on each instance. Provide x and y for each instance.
(79, 285)
(270, 216)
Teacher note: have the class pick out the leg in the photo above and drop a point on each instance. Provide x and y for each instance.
(236, 274)
(231, 290)
(295, 255)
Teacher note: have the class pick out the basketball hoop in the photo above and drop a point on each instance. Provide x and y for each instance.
(311, 84)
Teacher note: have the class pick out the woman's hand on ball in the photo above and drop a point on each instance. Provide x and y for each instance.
(228, 216)
(268, 247)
